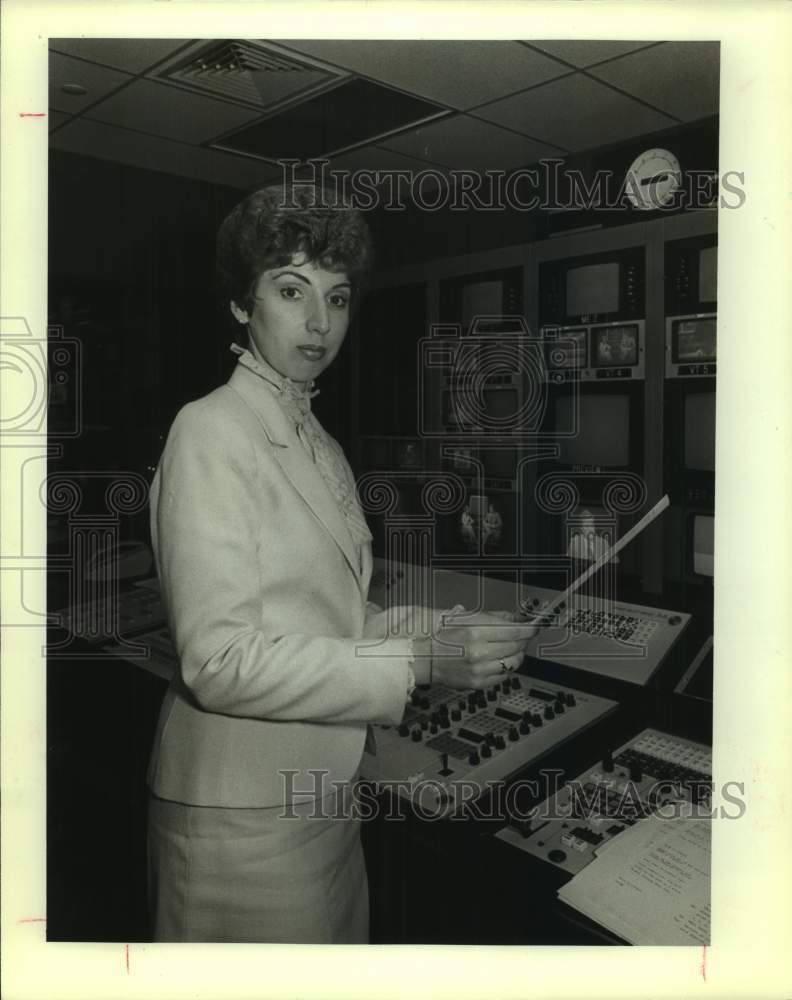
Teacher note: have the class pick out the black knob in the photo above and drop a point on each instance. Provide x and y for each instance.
(549, 713)
(485, 750)
(513, 734)
(423, 702)
(416, 735)
(607, 763)
(569, 698)
(559, 707)
(433, 728)
(525, 727)
(492, 694)
(424, 724)
(404, 729)
(434, 718)
(456, 715)
(474, 759)
(496, 687)
(516, 683)
(471, 704)
(500, 743)
(507, 685)
(461, 704)
(536, 719)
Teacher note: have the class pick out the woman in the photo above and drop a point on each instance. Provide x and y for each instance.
(264, 559)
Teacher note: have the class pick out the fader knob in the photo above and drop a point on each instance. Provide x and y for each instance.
(474, 759)
(549, 713)
(416, 735)
(513, 734)
(404, 729)
(485, 750)
(516, 683)
(456, 715)
(525, 727)
(500, 743)
(569, 698)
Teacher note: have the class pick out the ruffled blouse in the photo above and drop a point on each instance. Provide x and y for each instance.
(295, 401)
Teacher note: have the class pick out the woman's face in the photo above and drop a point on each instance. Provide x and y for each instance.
(300, 317)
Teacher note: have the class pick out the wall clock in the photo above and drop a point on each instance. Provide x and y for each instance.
(653, 179)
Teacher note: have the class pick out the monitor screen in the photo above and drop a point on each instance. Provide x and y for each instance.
(592, 289)
(708, 275)
(569, 351)
(614, 346)
(603, 436)
(700, 431)
(704, 544)
(481, 298)
(694, 340)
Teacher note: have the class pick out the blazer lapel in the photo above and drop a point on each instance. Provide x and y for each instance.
(294, 460)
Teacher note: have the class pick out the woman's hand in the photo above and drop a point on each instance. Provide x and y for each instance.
(472, 650)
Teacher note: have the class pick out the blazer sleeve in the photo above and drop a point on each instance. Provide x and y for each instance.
(208, 505)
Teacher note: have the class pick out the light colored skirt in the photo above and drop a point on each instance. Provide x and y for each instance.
(235, 875)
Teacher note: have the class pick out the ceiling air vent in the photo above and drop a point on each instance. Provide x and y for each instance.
(247, 72)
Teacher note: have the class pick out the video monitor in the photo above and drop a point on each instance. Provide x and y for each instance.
(568, 351)
(694, 340)
(603, 436)
(704, 545)
(593, 289)
(699, 425)
(614, 346)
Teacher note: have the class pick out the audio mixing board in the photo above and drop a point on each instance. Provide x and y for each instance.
(451, 742)
(652, 771)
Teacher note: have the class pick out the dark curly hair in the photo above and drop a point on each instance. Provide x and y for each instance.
(271, 225)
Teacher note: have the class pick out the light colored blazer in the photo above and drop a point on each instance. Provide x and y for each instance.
(266, 601)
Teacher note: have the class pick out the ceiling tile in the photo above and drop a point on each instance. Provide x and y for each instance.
(459, 74)
(97, 80)
(681, 78)
(354, 113)
(575, 112)
(133, 55)
(168, 111)
(57, 118)
(90, 138)
(467, 143)
(582, 53)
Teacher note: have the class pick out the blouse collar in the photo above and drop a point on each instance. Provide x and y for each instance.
(295, 396)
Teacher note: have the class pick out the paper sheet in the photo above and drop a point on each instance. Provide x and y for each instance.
(655, 888)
